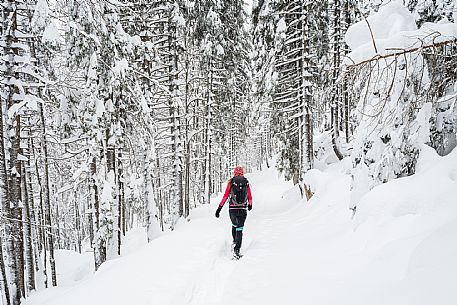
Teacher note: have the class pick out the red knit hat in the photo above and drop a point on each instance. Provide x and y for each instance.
(238, 171)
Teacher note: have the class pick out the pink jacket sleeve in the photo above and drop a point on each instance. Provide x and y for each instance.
(226, 195)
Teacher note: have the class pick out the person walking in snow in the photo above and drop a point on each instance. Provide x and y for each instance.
(238, 192)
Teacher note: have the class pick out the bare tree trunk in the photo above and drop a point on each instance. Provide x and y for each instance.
(57, 241)
(47, 199)
(90, 215)
(77, 224)
(306, 127)
(16, 211)
(186, 208)
(336, 94)
(345, 25)
(160, 192)
(267, 148)
(98, 245)
(4, 287)
(5, 208)
(346, 108)
(120, 199)
(11, 207)
(207, 176)
(124, 211)
(177, 190)
(34, 213)
(28, 233)
(41, 221)
(151, 210)
(187, 182)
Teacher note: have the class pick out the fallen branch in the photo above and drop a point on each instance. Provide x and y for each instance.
(402, 52)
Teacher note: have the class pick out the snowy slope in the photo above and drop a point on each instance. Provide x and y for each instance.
(399, 249)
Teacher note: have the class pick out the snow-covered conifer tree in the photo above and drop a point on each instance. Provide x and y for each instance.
(293, 99)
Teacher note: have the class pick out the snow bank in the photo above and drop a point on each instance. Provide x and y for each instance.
(431, 190)
(411, 224)
(325, 156)
(72, 267)
(393, 28)
(317, 182)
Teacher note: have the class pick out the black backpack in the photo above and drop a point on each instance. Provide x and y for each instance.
(239, 191)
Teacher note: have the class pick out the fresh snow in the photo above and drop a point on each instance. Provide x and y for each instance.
(40, 15)
(388, 21)
(399, 248)
(72, 267)
(51, 34)
(393, 29)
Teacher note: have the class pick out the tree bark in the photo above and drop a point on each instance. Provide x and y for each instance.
(207, 176)
(4, 287)
(336, 92)
(5, 208)
(98, 245)
(47, 200)
(28, 233)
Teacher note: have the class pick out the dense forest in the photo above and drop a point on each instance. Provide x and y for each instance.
(119, 113)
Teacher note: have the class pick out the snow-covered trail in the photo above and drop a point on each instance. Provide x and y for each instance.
(399, 250)
(191, 265)
(219, 281)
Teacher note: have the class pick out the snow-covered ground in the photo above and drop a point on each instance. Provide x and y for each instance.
(400, 248)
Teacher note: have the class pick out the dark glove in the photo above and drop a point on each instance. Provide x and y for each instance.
(218, 211)
(249, 207)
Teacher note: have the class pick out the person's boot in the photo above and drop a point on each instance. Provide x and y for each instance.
(236, 254)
